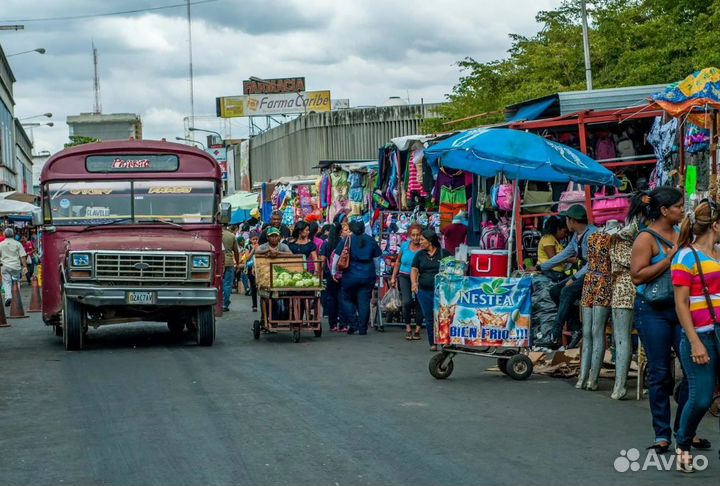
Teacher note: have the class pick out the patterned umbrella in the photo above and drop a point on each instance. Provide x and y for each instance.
(697, 93)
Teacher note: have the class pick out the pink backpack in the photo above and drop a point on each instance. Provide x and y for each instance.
(605, 149)
(492, 237)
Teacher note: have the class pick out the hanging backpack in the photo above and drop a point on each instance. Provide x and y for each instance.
(605, 149)
(492, 237)
(530, 241)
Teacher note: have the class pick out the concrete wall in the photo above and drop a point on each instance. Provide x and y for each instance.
(295, 147)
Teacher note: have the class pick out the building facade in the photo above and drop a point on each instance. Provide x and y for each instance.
(294, 148)
(8, 172)
(23, 159)
(113, 126)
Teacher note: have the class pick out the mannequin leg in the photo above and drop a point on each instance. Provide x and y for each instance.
(622, 327)
(600, 316)
(586, 355)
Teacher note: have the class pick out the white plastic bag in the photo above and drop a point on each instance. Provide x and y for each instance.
(391, 301)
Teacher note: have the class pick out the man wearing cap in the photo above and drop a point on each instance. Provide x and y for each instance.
(568, 291)
(273, 247)
(275, 222)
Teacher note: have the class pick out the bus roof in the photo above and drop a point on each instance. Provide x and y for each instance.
(70, 164)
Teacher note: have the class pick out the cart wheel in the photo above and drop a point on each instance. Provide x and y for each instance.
(256, 330)
(519, 367)
(318, 332)
(441, 366)
(296, 335)
(502, 364)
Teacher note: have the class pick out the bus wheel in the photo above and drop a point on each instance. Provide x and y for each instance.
(205, 325)
(73, 333)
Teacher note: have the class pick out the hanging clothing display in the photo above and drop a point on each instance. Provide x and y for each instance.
(451, 194)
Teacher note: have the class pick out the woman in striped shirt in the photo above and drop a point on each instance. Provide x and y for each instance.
(696, 278)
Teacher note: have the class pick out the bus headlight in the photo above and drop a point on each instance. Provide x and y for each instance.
(201, 261)
(80, 260)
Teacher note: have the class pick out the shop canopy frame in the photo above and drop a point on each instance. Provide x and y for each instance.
(519, 156)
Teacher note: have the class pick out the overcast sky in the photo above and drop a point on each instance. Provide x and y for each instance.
(364, 50)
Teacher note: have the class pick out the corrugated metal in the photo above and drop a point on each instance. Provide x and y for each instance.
(297, 146)
(606, 99)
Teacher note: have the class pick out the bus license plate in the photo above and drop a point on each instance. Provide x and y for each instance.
(141, 297)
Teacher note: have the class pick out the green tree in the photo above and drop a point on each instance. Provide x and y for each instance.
(80, 140)
(632, 42)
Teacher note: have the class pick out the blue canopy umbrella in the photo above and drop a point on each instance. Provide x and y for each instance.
(518, 155)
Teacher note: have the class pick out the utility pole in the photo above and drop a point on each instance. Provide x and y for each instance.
(96, 82)
(190, 57)
(586, 47)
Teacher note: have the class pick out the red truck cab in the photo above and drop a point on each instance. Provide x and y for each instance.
(132, 231)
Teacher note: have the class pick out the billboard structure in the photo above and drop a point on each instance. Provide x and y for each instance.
(272, 86)
(273, 104)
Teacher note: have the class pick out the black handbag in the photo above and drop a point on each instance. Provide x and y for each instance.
(660, 293)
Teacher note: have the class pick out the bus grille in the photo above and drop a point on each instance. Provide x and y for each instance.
(128, 266)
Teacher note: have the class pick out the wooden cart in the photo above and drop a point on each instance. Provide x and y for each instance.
(287, 309)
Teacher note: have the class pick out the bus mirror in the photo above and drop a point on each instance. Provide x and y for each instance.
(37, 217)
(225, 213)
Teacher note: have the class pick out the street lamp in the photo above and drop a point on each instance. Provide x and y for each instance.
(39, 50)
(48, 115)
(219, 137)
(46, 124)
(191, 141)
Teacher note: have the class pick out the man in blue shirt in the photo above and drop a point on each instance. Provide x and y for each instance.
(570, 290)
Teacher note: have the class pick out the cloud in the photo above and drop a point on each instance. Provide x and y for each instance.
(365, 50)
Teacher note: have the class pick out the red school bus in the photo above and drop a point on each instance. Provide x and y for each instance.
(132, 231)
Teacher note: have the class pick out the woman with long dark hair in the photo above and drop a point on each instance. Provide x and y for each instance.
(696, 278)
(554, 231)
(301, 244)
(424, 268)
(660, 210)
(359, 279)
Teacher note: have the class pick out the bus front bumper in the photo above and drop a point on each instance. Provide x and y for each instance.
(98, 296)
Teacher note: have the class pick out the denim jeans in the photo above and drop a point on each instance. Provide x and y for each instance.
(408, 303)
(701, 386)
(331, 300)
(565, 297)
(228, 280)
(355, 304)
(660, 333)
(426, 298)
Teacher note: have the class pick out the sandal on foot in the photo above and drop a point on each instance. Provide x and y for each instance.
(416, 336)
(683, 461)
(701, 444)
(660, 448)
(408, 336)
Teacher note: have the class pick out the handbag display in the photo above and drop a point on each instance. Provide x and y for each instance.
(534, 199)
(606, 208)
(344, 260)
(660, 293)
(502, 195)
(574, 194)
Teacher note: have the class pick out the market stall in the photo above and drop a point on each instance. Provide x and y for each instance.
(516, 156)
(693, 104)
(242, 203)
(490, 316)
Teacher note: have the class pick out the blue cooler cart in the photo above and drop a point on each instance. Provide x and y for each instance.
(483, 316)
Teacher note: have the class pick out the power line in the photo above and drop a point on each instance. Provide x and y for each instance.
(140, 10)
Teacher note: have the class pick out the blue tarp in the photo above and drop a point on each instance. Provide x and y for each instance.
(519, 156)
(531, 112)
(240, 216)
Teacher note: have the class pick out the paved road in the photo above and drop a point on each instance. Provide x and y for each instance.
(140, 408)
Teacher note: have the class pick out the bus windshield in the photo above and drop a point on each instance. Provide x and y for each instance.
(127, 202)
